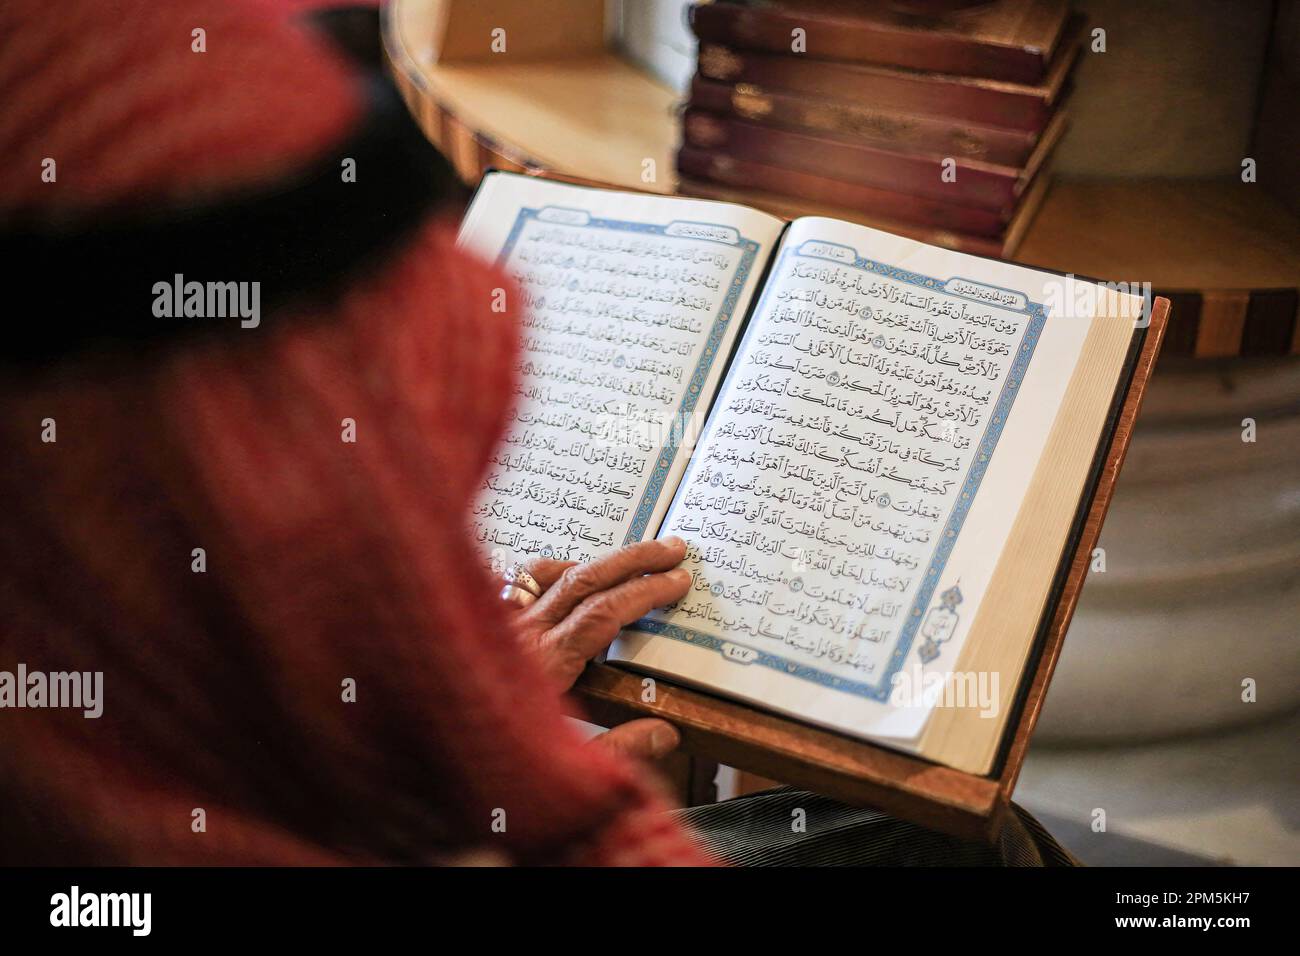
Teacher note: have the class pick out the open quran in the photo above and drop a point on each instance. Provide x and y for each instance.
(879, 452)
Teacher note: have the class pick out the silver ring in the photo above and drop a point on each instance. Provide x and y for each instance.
(512, 594)
(518, 575)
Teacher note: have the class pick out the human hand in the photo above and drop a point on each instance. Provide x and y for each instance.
(584, 606)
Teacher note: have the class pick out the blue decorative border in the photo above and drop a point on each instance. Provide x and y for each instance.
(947, 540)
(650, 498)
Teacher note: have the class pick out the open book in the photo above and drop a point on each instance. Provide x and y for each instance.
(874, 448)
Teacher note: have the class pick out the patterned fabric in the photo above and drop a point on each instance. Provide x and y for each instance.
(760, 830)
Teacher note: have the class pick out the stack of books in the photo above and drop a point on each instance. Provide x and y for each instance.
(938, 127)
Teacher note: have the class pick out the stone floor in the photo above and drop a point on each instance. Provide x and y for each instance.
(1230, 799)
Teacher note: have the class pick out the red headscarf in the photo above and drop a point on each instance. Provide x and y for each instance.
(328, 563)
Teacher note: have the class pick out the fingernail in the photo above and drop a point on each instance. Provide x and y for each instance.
(664, 739)
(675, 543)
(679, 576)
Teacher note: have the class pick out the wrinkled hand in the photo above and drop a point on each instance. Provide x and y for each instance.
(584, 606)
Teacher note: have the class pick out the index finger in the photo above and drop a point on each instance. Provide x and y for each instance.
(583, 580)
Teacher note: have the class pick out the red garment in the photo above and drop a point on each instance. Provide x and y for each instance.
(325, 560)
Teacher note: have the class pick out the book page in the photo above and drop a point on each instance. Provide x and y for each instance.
(632, 304)
(860, 473)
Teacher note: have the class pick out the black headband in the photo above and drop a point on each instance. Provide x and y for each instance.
(91, 279)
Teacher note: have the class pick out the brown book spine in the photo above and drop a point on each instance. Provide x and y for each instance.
(889, 129)
(986, 102)
(942, 46)
(943, 178)
(743, 173)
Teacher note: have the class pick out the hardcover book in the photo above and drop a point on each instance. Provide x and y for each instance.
(948, 179)
(966, 98)
(880, 454)
(873, 126)
(696, 166)
(1011, 40)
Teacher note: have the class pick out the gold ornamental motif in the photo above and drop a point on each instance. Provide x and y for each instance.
(967, 143)
(750, 102)
(861, 122)
(722, 166)
(719, 63)
(704, 131)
